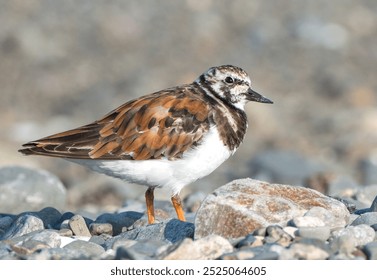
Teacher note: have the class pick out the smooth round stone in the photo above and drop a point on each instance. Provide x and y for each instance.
(370, 249)
(356, 235)
(206, 248)
(307, 221)
(24, 189)
(86, 248)
(321, 233)
(98, 229)
(249, 240)
(302, 251)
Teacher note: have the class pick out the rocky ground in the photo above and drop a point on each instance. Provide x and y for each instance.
(245, 219)
(67, 63)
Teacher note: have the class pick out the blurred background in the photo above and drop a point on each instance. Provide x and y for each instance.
(66, 63)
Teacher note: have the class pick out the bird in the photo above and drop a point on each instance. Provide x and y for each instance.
(166, 139)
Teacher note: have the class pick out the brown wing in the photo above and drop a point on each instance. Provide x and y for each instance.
(164, 124)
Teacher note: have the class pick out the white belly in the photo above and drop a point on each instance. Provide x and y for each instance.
(169, 174)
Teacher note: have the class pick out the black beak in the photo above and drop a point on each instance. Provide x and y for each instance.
(255, 96)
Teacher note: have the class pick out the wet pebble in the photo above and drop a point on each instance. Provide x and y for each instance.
(321, 233)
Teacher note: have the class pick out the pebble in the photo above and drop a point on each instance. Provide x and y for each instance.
(98, 229)
(88, 249)
(276, 234)
(142, 250)
(370, 250)
(22, 225)
(78, 226)
(346, 240)
(307, 221)
(302, 251)
(248, 241)
(321, 233)
(243, 254)
(206, 248)
(49, 215)
(264, 252)
(239, 207)
(50, 237)
(333, 219)
(29, 247)
(119, 221)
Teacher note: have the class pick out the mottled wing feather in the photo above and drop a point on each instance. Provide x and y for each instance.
(164, 124)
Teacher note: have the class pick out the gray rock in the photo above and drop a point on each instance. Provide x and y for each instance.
(98, 229)
(119, 220)
(324, 245)
(266, 256)
(370, 249)
(170, 230)
(65, 232)
(141, 250)
(302, 251)
(243, 254)
(29, 247)
(242, 206)
(100, 240)
(87, 249)
(23, 225)
(349, 203)
(248, 241)
(50, 237)
(49, 215)
(369, 218)
(78, 226)
(264, 252)
(307, 221)
(326, 218)
(285, 167)
(207, 248)
(275, 234)
(321, 233)
(23, 189)
(347, 239)
(61, 254)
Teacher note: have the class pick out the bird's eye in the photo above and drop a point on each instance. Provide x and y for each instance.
(229, 80)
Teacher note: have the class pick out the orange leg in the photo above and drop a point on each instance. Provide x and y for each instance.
(177, 203)
(149, 198)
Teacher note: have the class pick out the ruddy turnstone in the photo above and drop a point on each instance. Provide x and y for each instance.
(167, 139)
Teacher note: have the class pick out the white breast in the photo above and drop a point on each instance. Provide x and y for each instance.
(170, 174)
